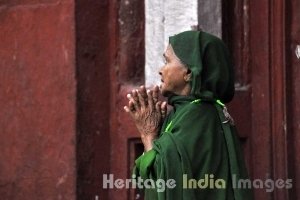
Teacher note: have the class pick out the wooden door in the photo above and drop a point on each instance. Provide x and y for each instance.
(263, 36)
(292, 66)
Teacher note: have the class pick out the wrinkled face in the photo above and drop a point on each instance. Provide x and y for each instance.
(174, 75)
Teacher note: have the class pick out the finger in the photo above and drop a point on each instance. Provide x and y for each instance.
(135, 95)
(132, 97)
(126, 108)
(155, 94)
(164, 109)
(131, 106)
(158, 106)
(143, 92)
(143, 101)
(150, 99)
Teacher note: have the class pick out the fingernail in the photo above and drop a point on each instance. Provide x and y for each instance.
(128, 95)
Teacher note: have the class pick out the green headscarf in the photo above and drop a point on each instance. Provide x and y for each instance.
(208, 59)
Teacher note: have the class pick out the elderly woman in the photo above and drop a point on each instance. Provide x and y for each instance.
(195, 145)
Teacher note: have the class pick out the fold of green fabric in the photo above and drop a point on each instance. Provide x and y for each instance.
(196, 145)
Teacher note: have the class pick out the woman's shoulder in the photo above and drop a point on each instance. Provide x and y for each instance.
(195, 111)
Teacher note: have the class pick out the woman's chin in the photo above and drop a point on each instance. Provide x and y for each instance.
(163, 92)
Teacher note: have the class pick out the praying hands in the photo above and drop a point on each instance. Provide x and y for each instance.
(147, 113)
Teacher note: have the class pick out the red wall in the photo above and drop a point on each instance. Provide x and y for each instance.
(93, 97)
(37, 100)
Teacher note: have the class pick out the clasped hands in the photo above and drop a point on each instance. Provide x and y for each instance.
(147, 113)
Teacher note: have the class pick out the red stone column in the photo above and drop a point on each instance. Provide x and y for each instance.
(93, 97)
(37, 100)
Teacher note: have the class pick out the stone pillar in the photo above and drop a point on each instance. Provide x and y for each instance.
(163, 19)
(210, 16)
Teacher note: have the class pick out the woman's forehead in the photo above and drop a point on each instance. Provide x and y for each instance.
(169, 51)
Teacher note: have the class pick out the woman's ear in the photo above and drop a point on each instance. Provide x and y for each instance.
(188, 75)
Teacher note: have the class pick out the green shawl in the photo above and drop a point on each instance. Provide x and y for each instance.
(193, 142)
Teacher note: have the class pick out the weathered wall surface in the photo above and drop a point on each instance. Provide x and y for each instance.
(37, 100)
(163, 19)
(210, 16)
(93, 97)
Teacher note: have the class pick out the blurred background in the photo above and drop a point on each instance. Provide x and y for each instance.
(66, 66)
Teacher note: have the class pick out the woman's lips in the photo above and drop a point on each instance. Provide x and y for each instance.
(161, 83)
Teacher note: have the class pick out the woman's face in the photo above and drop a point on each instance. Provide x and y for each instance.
(174, 75)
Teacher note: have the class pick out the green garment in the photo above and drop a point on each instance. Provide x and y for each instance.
(193, 142)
